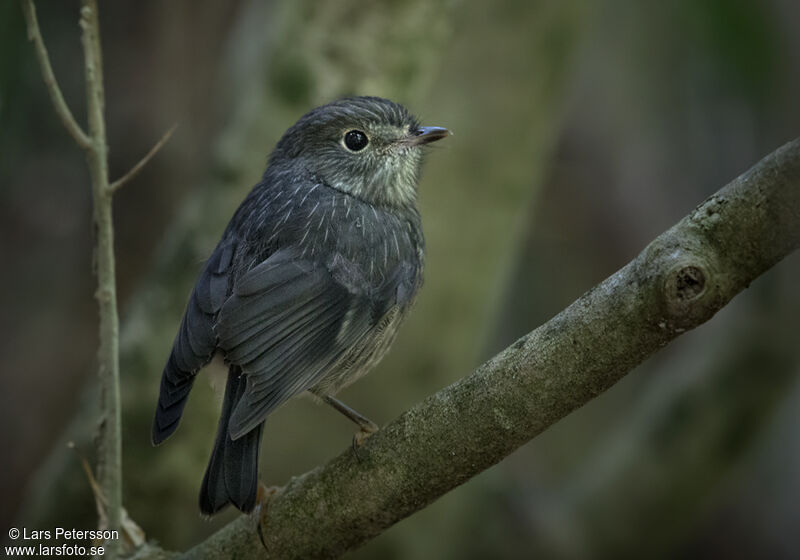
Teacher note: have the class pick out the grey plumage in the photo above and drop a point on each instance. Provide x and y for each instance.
(309, 283)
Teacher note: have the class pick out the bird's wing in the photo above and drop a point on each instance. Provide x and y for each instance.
(195, 342)
(287, 323)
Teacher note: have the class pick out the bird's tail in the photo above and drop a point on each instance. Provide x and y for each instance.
(232, 472)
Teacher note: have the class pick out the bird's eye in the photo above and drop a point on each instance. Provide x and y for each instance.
(355, 140)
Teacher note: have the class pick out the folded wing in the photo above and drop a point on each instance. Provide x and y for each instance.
(195, 342)
(287, 323)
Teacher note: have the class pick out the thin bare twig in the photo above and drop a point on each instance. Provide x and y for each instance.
(134, 171)
(133, 536)
(109, 468)
(35, 35)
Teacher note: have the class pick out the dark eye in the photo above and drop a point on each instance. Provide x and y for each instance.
(355, 140)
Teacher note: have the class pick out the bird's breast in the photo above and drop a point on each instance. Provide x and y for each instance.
(331, 223)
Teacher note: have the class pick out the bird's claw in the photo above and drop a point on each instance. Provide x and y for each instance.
(361, 436)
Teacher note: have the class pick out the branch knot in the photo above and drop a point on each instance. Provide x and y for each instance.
(689, 283)
(688, 290)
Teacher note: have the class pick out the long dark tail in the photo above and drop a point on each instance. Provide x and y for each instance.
(232, 472)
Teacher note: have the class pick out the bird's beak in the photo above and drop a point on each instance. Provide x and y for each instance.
(426, 135)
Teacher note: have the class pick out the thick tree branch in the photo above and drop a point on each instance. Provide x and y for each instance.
(61, 107)
(678, 282)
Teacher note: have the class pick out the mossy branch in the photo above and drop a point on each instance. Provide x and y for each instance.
(677, 283)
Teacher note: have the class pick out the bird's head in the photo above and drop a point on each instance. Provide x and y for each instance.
(368, 147)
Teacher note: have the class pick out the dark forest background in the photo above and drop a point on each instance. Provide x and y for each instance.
(582, 130)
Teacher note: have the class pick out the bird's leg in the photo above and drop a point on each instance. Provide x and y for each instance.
(366, 426)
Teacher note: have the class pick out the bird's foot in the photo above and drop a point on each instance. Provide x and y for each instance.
(366, 426)
(263, 496)
(367, 429)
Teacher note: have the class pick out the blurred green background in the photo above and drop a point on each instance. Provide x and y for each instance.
(582, 130)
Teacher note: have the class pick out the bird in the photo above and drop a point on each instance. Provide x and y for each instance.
(306, 289)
